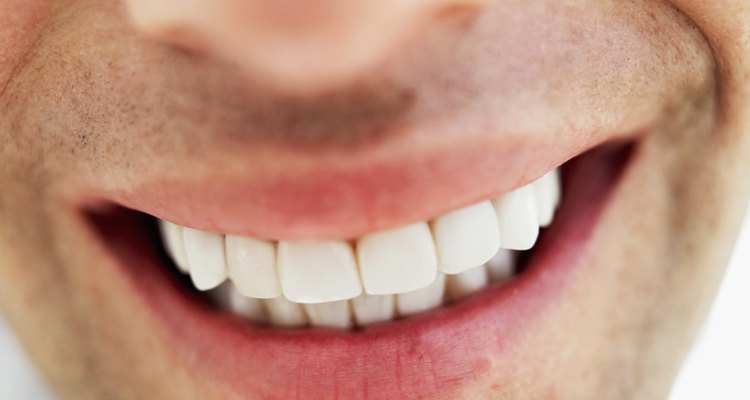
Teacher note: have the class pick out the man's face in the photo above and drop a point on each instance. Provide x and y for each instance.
(327, 149)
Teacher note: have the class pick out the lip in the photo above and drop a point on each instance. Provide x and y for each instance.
(439, 351)
(337, 194)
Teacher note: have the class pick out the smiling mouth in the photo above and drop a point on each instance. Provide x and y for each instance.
(379, 276)
(374, 278)
(473, 279)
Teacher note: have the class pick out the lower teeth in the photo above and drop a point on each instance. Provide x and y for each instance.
(365, 309)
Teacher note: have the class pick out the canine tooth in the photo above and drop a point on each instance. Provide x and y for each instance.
(251, 265)
(369, 309)
(422, 299)
(517, 218)
(466, 283)
(502, 266)
(398, 260)
(318, 272)
(172, 236)
(466, 238)
(334, 314)
(205, 256)
(247, 307)
(282, 312)
(547, 191)
(544, 205)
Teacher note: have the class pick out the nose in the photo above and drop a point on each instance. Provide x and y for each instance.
(299, 45)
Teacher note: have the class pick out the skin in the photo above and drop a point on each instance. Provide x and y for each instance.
(104, 97)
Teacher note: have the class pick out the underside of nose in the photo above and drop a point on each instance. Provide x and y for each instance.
(296, 45)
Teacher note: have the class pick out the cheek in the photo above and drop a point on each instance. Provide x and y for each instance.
(21, 25)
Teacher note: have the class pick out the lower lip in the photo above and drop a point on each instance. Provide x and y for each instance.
(440, 351)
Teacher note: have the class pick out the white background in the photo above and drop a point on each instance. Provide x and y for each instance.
(718, 367)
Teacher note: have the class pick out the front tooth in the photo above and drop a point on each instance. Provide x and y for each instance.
(547, 191)
(422, 299)
(466, 283)
(248, 307)
(517, 218)
(205, 256)
(369, 309)
(251, 266)
(282, 312)
(333, 314)
(466, 238)
(172, 237)
(398, 260)
(502, 266)
(318, 272)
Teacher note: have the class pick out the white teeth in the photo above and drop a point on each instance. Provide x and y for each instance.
(369, 309)
(466, 238)
(398, 260)
(517, 218)
(247, 307)
(318, 272)
(173, 242)
(205, 256)
(282, 312)
(466, 283)
(333, 314)
(422, 299)
(383, 275)
(251, 265)
(547, 190)
(502, 266)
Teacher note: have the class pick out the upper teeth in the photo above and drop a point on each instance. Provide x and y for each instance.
(396, 261)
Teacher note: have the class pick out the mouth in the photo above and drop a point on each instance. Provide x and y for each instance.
(348, 315)
(374, 278)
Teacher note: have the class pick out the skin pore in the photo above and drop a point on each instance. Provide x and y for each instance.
(99, 101)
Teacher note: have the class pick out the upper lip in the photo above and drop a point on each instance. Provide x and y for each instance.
(335, 194)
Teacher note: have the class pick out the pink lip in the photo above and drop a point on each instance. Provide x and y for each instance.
(344, 194)
(438, 352)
